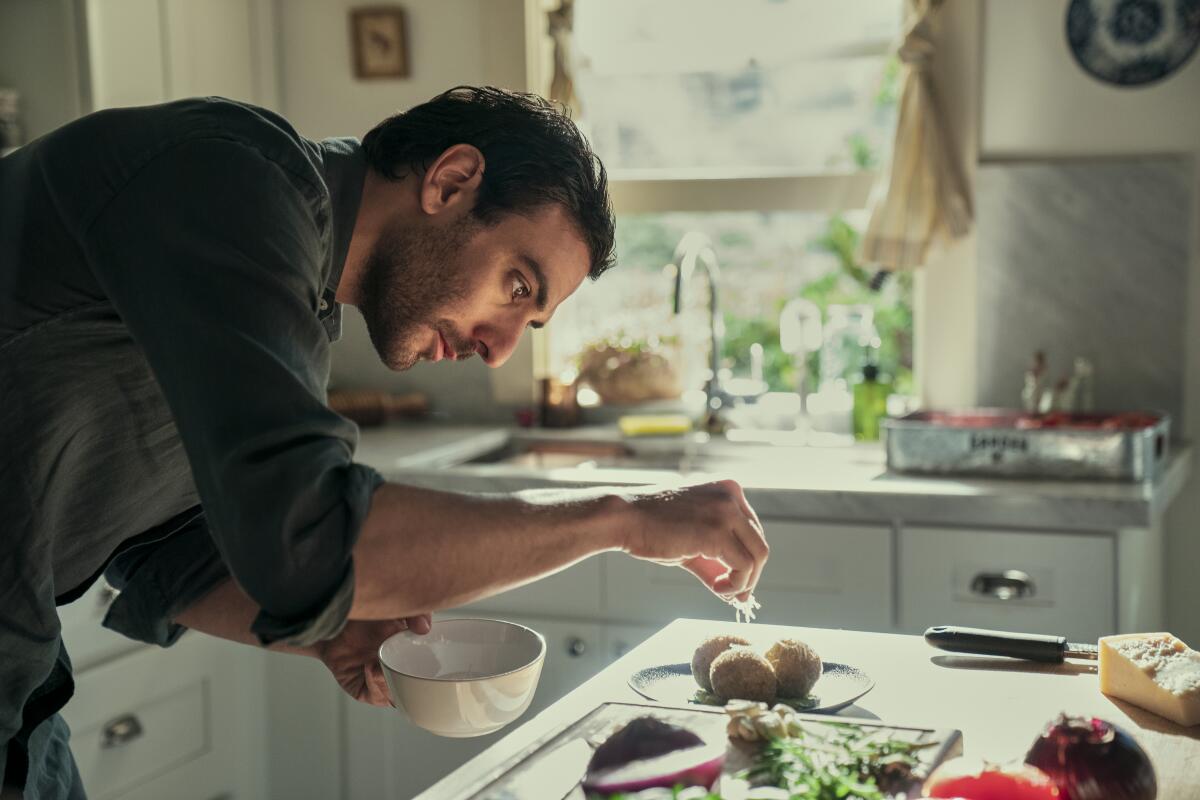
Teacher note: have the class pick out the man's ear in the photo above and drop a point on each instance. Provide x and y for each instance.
(453, 180)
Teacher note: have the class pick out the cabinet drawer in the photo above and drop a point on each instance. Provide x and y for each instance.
(957, 577)
(146, 737)
(175, 723)
(819, 575)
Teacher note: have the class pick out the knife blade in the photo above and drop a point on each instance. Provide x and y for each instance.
(1029, 646)
(556, 773)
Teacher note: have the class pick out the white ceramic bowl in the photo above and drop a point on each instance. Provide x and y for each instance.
(466, 677)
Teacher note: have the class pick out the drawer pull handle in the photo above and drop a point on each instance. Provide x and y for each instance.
(576, 647)
(121, 731)
(1012, 584)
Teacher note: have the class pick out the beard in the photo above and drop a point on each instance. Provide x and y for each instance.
(412, 276)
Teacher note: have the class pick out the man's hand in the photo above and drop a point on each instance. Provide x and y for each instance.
(353, 656)
(709, 530)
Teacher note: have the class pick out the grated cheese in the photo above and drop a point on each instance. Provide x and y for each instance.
(744, 609)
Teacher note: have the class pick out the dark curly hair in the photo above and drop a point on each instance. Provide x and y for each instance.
(535, 157)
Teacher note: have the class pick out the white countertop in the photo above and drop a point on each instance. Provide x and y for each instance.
(845, 484)
(1000, 705)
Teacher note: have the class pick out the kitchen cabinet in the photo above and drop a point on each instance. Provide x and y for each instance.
(573, 592)
(821, 574)
(1033, 581)
(187, 722)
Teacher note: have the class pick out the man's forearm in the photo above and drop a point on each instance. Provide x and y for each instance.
(227, 612)
(422, 550)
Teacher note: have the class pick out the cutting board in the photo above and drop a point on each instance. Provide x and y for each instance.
(511, 781)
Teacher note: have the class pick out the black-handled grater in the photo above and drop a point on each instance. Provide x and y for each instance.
(1029, 646)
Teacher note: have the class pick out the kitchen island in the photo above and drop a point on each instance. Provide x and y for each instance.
(853, 546)
(1000, 705)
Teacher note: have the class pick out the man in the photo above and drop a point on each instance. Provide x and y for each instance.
(170, 281)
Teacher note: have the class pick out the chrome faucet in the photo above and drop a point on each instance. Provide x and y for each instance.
(696, 249)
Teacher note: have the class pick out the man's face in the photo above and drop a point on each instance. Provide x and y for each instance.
(450, 289)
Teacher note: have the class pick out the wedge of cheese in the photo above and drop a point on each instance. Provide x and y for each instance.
(1154, 671)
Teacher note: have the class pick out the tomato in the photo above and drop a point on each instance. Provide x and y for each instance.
(971, 779)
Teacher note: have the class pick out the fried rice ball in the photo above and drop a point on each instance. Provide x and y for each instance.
(797, 667)
(742, 674)
(709, 649)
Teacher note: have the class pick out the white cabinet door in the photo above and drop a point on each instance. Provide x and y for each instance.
(819, 575)
(188, 723)
(621, 639)
(574, 592)
(389, 757)
(1052, 583)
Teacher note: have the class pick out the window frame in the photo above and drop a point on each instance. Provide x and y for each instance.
(944, 313)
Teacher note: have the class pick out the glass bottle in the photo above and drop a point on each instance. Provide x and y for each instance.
(848, 338)
(870, 404)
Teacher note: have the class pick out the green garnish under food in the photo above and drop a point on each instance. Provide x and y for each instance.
(703, 698)
(843, 762)
(839, 762)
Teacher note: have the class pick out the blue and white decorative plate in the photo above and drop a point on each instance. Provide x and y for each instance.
(1133, 42)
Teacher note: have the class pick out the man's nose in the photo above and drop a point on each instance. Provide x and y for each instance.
(498, 345)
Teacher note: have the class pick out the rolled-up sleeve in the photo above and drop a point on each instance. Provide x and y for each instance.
(157, 581)
(211, 254)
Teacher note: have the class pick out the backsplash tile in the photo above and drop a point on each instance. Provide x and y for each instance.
(1085, 258)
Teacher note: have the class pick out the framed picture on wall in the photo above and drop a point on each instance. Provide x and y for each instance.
(378, 42)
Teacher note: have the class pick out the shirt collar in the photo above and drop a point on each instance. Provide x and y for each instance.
(345, 168)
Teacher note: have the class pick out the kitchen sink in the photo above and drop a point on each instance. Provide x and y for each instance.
(699, 455)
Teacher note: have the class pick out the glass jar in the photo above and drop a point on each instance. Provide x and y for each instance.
(849, 338)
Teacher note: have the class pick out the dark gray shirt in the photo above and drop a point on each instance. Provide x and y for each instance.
(167, 280)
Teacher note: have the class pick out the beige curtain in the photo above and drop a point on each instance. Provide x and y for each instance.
(559, 24)
(924, 197)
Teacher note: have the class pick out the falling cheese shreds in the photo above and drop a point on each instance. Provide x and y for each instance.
(744, 610)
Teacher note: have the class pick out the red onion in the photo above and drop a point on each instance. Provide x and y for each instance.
(649, 753)
(1090, 759)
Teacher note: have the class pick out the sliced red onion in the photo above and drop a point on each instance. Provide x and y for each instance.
(649, 753)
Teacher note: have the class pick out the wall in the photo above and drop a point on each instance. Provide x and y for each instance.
(38, 57)
(1038, 103)
(450, 42)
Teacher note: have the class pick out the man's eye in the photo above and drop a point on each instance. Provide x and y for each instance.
(520, 289)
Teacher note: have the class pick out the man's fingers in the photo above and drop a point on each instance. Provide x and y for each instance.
(708, 570)
(725, 565)
(752, 536)
(376, 686)
(420, 624)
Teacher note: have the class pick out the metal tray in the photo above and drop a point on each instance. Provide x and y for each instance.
(992, 443)
(512, 780)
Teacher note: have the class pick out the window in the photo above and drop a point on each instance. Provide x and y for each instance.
(765, 260)
(757, 87)
(761, 124)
